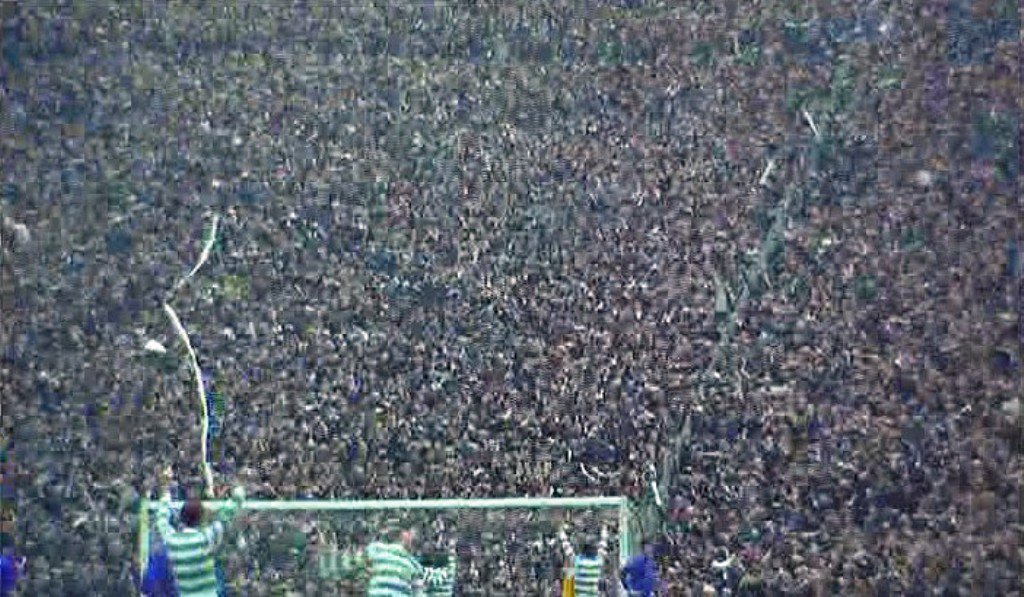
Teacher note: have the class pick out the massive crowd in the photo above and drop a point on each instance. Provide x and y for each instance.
(498, 251)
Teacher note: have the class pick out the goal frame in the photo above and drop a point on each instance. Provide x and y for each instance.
(620, 503)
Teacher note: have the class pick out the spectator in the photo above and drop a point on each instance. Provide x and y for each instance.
(640, 576)
(11, 569)
(158, 580)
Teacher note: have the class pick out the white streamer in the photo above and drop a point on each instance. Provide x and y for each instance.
(197, 372)
(193, 360)
(654, 485)
(203, 256)
(767, 172)
(810, 121)
(592, 477)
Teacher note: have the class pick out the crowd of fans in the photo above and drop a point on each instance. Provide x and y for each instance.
(526, 252)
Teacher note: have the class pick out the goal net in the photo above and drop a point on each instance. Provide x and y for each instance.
(505, 546)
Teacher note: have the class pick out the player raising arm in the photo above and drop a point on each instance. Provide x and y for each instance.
(587, 566)
(192, 549)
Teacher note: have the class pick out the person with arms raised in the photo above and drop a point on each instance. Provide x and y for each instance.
(587, 566)
(192, 549)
